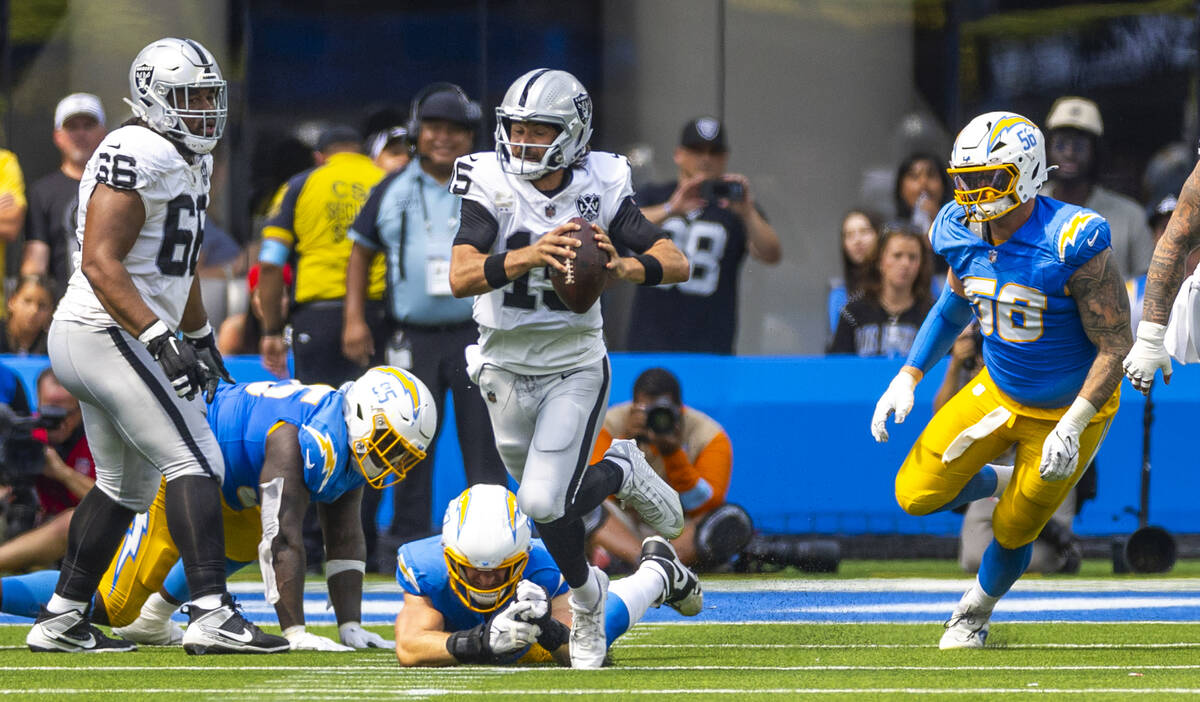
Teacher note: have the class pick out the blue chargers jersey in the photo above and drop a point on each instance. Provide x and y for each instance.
(1034, 344)
(421, 570)
(243, 415)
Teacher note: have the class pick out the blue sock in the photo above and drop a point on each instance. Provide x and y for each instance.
(24, 595)
(1001, 567)
(616, 617)
(982, 484)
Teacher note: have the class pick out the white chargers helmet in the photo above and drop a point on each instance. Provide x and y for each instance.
(549, 97)
(391, 418)
(484, 530)
(162, 82)
(998, 162)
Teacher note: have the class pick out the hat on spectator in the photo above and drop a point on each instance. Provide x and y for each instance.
(449, 105)
(1161, 208)
(78, 104)
(252, 275)
(704, 131)
(384, 138)
(337, 134)
(1075, 113)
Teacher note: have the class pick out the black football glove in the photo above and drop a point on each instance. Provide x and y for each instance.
(214, 367)
(178, 360)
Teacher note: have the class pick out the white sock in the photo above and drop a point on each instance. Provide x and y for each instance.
(208, 602)
(157, 609)
(58, 605)
(979, 600)
(640, 590)
(1003, 478)
(588, 595)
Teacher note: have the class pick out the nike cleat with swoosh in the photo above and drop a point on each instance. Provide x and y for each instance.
(641, 488)
(71, 632)
(682, 592)
(226, 630)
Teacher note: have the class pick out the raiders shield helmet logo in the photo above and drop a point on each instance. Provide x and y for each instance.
(583, 105)
(142, 75)
(588, 206)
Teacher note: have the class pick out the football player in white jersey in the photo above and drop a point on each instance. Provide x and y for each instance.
(543, 369)
(113, 344)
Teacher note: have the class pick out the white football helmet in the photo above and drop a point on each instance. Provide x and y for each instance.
(550, 97)
(485, 530)
(391, 418)
(998, 162)
(161, 82)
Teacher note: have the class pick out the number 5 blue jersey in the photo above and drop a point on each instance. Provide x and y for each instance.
(243, 415)
(1034, 344)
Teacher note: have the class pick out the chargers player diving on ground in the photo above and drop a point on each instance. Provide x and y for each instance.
(1149, 354)
(483, 592)
(1052, 307)
(113, 345)
(284, 444)
(543, 369)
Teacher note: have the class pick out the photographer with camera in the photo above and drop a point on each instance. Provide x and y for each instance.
(46, 455)
(713, 217)
(692, 452)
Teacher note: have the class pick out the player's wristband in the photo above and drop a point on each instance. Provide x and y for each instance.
(950, 314)
(155, 330)
(200, 333)
(654, 271)
(554, 634)
(470, 646)
(493, 270)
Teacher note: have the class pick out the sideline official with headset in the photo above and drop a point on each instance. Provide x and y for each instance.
(412, 216)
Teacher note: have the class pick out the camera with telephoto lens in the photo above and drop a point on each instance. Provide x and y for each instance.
(717, 189)
(22, 459)
(662, 416)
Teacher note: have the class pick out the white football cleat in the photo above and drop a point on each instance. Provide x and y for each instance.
(643, 489)
(71, 632)
(226, 630)
(682, 592)
(152, 632)
(968, 625)
(588, 642)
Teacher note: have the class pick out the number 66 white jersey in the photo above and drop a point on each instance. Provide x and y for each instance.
(523, 326)
(163, 258)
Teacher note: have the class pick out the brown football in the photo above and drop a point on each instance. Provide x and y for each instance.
(586, 276)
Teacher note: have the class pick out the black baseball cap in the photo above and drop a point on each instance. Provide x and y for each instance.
(337, 134)
(704, 131)
(450, 106)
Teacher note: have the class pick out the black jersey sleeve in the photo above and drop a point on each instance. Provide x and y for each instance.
(630, 229)
(476, 226)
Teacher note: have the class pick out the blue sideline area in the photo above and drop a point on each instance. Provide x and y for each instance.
(804, 457)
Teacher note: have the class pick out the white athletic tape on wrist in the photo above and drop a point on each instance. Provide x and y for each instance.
(154, 331)
(293, 632)
(341, 565)
(199, 333)
(272, 497)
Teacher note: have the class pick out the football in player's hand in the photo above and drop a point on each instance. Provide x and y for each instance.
(586, 276)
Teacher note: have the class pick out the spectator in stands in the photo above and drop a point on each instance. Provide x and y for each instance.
(714, 219)
(67, 475)
(388, 139)
(860, 242)
(1074, 129)
(896, 298)
(1056, 549)
(50, 229)
(693, 453)
(922, 187)
(28, 321)
(240, 334)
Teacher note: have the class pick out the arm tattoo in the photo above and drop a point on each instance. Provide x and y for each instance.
(1166, 268)
(1104, 312)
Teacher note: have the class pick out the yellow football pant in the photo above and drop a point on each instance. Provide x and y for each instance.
(147, 554)
(973, 428)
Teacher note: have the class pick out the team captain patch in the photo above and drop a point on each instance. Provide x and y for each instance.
(588, 206)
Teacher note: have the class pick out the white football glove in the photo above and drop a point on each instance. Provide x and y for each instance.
(536, 596)
(898, 398)
(508, 631)
(302, 640)
(1148, 356)
(1060, 450)
(355, 636)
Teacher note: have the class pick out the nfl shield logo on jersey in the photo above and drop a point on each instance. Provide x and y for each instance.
(588, 206)
(551, 210)
(141, 76)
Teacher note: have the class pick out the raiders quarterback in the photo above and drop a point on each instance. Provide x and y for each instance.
(113, 344)
(542, 369)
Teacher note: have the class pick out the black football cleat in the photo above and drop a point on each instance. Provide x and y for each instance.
(226, 630)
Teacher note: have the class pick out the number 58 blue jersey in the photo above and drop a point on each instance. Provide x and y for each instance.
(243, 415)
(1034, 344)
